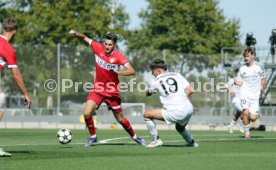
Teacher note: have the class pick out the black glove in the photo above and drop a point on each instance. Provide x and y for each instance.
(148, 93)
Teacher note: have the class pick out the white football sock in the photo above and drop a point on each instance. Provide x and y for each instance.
(232, 123)
(246, 129)
(152, 128)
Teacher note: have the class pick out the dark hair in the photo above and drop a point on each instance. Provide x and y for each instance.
(111, 36)
(158, 63)
(10, 25)
(248, 50)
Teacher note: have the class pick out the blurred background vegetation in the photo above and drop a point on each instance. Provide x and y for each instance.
(189, 34)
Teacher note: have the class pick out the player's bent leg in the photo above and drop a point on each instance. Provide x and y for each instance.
(238, 121)
(238, 114)
(152, 128)
(156, 141)
(246, 121)
(254, 108)
(253, 117)
(89, 108)
(231, 125)
(149, 116)
(127, 126)
(154, 114)
(234, 120)
(186, 135)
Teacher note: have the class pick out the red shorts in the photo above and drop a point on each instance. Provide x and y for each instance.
(113, 102)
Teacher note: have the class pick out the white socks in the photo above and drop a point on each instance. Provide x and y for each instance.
(246, 129)
(232, 123)
(152, 128)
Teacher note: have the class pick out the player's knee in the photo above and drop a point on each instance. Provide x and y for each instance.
(241, 117)
(146, 114)
(253, 118)
(245, 113)
(238, 113)
(179, 128)
(120, 120)
(86, 115)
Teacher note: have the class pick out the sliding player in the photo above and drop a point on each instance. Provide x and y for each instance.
(174, 91)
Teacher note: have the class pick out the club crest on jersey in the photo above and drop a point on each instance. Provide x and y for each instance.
(112, 60)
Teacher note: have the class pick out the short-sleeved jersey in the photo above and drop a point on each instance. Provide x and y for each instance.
(7, 54)
(251, 78)
(106, 82)
(171, 88)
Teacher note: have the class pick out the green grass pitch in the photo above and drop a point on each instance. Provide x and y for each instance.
(38, 149)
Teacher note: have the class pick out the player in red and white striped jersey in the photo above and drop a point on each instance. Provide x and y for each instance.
(106, 84)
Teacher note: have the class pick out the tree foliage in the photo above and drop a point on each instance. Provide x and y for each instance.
(45, 23)
(182, 27)
(48, 21)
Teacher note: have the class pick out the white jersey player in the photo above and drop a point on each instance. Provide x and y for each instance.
(234, 90)
(251, 78)
(174, 91)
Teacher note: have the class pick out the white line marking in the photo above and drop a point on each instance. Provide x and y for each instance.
(112, 139)
(106, 141)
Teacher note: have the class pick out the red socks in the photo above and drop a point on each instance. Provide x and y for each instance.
(90, 125)
(128, 127)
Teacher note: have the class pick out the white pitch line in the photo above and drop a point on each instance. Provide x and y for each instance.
(112, 139)
(106, 141)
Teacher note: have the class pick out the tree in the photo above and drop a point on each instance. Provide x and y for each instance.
(48, 21)
(45, 23)
(182, 28)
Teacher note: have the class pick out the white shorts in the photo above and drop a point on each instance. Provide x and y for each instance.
(251, 104)
(181, 117)
(236, 101)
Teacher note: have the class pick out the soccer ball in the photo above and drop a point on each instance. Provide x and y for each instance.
(64, 136)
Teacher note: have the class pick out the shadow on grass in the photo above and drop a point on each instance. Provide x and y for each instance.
(66, 147)
(116, 144)
(254, 137)
(175, 146)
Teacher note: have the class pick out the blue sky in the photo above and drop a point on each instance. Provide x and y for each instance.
(255, 16)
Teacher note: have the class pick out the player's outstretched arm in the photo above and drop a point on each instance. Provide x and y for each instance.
(128, 71)
(19, 81)
(80, 36)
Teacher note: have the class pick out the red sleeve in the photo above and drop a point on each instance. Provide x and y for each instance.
(122, 59)
(96, 47)
(11, 58)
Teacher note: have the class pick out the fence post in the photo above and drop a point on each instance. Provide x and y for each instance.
(58, 78)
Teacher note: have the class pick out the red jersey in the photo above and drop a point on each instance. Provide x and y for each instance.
(7, 54)
(106, 82)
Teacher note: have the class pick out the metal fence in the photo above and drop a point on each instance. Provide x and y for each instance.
(202, 119)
